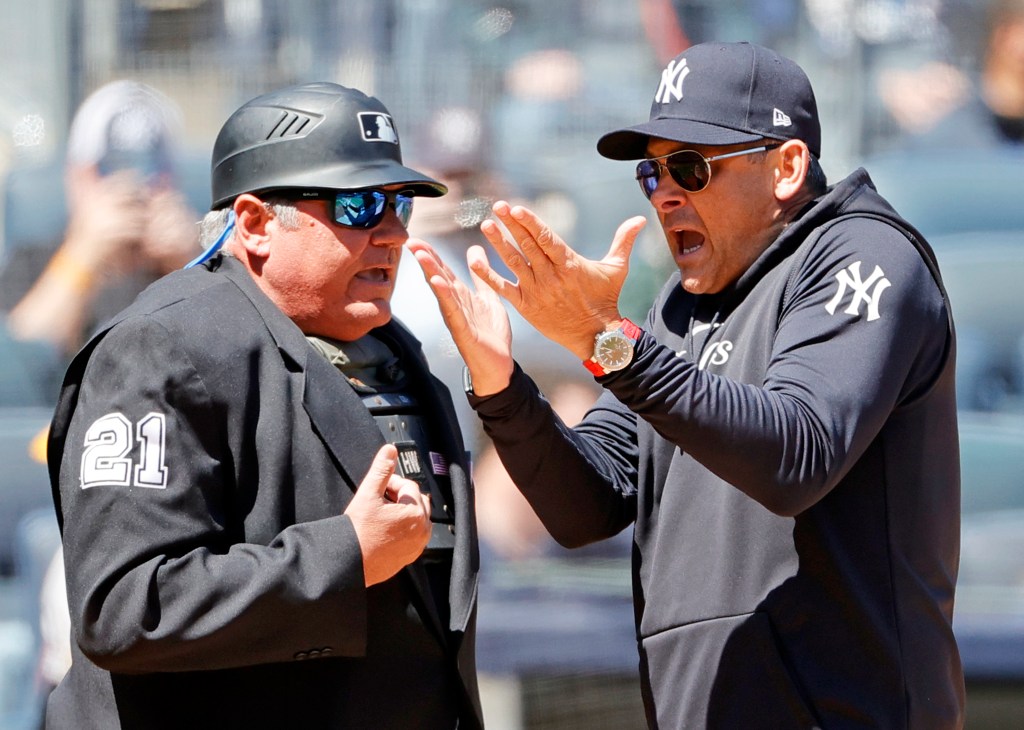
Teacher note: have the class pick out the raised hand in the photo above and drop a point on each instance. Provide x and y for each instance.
(107, 218)
(567, 297)
(476, 318)
(171, 237)
(391, 518)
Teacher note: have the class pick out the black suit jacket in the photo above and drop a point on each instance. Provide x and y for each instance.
(201, 456)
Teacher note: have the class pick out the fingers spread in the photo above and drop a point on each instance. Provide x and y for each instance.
(513, 257)
(479, 265)
(540, 236)
(529, 255)
(625, 237)
(503, 212)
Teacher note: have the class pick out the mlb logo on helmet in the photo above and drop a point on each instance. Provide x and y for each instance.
(378, 127)
(311, 135)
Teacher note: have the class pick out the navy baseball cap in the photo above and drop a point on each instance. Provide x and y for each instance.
(724, 94)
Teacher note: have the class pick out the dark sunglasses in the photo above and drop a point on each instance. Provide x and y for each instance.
(362, 209)
(690, 169)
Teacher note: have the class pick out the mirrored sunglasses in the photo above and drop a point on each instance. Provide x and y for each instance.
(689, 169)
(361, 209)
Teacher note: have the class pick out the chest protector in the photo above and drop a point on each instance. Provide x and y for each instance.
(376, 375)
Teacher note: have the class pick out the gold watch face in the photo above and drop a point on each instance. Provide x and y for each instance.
(613, 350)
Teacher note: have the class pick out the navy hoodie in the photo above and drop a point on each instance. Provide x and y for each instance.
(788, 452)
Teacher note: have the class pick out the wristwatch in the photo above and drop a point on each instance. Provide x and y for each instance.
(613, 350)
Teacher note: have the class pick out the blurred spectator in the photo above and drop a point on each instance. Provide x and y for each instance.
(508, 525)
(54, 626)
(920, 98)
(1002, 79)
(940, 106)
(531, 120)
(128, 223)
(453, 149)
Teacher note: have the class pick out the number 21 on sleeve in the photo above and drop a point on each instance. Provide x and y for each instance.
(108, 460)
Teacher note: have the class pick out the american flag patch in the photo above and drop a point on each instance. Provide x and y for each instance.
(438, 464)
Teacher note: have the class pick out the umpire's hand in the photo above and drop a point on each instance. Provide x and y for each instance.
(391, 518)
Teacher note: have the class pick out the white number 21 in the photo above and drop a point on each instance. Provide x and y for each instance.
(109, 442)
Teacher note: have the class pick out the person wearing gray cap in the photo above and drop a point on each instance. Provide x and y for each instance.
(264, 497)
(781, 430)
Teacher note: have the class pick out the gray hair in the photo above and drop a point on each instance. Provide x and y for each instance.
(213, 223)
(816, 181)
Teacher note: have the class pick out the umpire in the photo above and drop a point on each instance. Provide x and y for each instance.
(263, 494)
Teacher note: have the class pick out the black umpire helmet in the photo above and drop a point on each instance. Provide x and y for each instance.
(314, 135)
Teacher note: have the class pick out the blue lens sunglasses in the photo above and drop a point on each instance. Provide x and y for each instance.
(362, 209)
(359, 209)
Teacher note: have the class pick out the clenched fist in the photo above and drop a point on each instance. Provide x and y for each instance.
(391, 518)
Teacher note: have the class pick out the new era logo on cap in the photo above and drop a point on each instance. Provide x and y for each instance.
(378, 127)
(781, 119)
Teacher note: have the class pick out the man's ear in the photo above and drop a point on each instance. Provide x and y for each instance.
(791, 171)
(252, 218)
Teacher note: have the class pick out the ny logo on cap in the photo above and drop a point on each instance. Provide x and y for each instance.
(378, 127)
(671, 85)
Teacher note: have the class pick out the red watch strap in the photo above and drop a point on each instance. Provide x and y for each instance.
(594, 368)
(630, 330)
